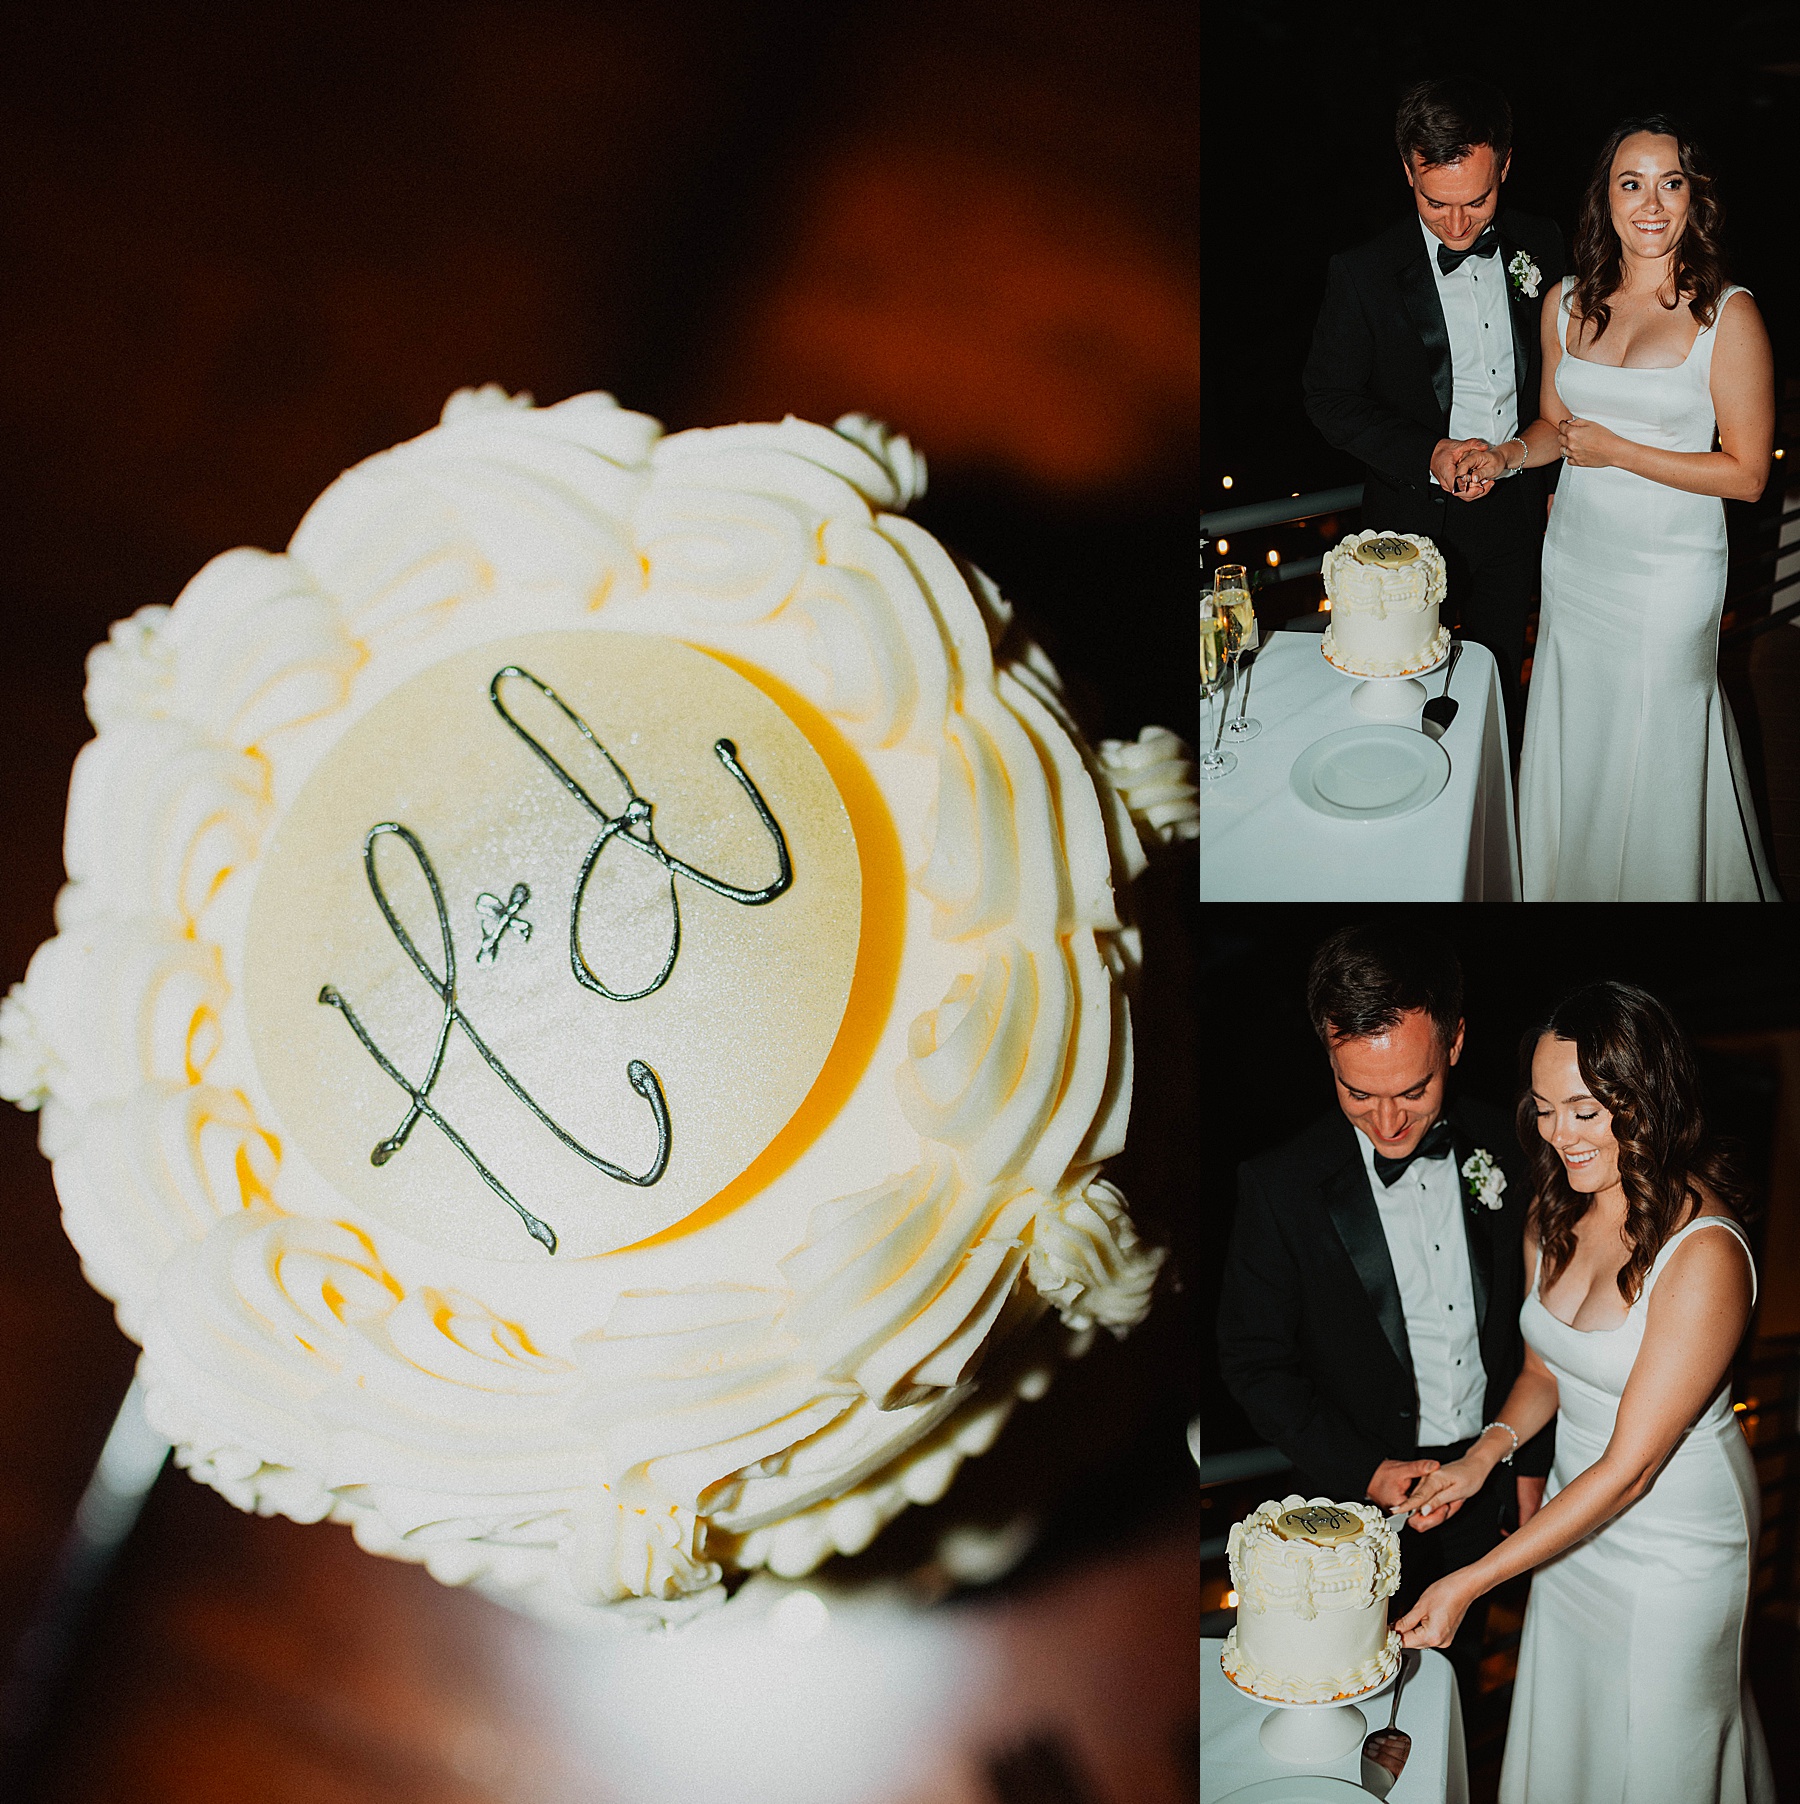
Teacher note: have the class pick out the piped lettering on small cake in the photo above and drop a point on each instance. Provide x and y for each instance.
(1387, 551)
(631, 827)
(1322, 1523)
(641, 1078)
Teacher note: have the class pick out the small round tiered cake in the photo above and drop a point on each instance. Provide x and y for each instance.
(1312, 1580)
(1385, 589)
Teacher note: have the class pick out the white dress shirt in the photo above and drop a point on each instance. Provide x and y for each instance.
(1421, 1216)
(1484, 395)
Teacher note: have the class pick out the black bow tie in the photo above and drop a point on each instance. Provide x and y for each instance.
(1486, 245)
(1434, 1145)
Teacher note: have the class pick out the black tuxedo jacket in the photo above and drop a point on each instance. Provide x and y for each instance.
(1312, 1339)
(1378, 381)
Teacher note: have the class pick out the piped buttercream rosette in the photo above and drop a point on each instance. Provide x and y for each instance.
(858, 1281)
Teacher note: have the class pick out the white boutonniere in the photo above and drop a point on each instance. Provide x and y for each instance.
(1485, 1178)
(1525, 275)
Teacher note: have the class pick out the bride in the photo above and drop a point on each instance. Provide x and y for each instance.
(1631, 1685)
(1631, 784)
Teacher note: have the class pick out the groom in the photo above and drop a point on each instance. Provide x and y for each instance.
(1369, 1326)
(1427, 348)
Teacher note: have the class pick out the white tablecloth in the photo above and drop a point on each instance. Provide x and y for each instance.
(1260, 843)
(1437, 1769)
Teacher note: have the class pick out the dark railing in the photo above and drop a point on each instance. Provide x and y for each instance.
(1781, 587)
(1221, 1475)
(1281, 513)
(1257, 514)
(1767, 1387)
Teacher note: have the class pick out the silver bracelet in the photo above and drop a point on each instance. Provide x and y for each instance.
(1506, 1459)
(1506, 472)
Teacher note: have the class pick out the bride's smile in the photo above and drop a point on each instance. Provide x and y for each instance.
(1571, 1119)
(1649, 194)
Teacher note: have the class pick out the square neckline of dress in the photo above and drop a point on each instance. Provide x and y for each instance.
(1567, 319)
(1537, 1276)
(1637, 368)
(1538, 1298)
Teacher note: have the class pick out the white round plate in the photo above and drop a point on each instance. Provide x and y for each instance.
(1374, 773)
(1299, 1788)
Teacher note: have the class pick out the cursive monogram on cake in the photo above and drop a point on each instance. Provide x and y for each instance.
(601, 1056)
(632, 826)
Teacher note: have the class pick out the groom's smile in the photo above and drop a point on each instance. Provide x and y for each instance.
(1391, 1084)
(1457, 200)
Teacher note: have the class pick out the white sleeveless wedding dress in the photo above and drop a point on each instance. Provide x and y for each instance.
(1631, 1686)
(1631, 783)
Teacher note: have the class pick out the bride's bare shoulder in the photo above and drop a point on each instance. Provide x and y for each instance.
(1714, 1264)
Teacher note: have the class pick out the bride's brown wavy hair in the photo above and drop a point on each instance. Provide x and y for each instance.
(1638, 1066)
(1698, 266)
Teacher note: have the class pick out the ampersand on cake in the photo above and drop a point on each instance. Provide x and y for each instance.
(1312, 1578)
(1386, 589)
(590, 1007)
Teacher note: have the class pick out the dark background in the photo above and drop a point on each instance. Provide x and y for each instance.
(242, 248)
(1301, 164)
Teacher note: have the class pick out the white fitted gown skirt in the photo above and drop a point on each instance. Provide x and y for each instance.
(1631, 783)
(1632, 1685)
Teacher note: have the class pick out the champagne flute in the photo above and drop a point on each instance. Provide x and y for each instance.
(1231, 589)
(1218, 641)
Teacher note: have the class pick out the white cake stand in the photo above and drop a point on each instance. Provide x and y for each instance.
(1308, 1734)
(1392, 698)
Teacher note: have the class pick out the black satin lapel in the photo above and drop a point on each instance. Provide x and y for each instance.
(1358, 1225)
(1419, 293)
(1476, 1230)
(1523, 316)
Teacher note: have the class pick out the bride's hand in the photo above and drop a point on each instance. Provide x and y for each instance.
(1587, 446)
(1477, 470)
(1440, 1494)
(1435, 1618)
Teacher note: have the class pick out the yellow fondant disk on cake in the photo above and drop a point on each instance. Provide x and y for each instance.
(1387, 552)
(1320, 1523)
(497, 1057)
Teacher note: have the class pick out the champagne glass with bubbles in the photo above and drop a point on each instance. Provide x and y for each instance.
(1231, 590)
(1218, 641)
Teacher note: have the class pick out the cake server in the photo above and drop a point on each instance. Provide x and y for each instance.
(1441, 710)
(1385, 1752)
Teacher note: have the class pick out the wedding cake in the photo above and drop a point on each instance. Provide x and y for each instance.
(1385, 589)
(1312, 1580)
(590, 1006)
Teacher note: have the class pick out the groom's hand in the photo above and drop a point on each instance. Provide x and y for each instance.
(1446, 459)
(1394, 1478)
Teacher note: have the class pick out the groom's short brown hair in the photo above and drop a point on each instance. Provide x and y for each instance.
(1443, 121)
(1364, 978)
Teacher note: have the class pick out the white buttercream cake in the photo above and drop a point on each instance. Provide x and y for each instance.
(589, 1007)
(1312, 1579)
(1386, 589)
